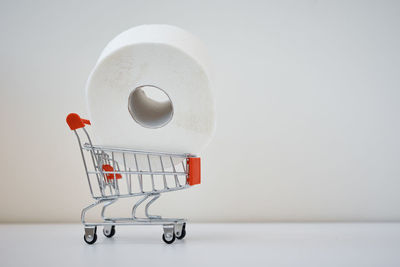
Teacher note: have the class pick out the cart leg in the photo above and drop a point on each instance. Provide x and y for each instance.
(169, 235)
(83, 214)
(103, 210)
(137, 205)
(90, 236)
(146, 210)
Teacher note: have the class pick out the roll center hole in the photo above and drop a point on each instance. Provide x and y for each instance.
(150, 106)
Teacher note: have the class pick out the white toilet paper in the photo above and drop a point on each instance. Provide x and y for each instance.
(150, 90)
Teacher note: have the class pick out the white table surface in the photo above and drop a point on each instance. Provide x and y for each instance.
(274, 244)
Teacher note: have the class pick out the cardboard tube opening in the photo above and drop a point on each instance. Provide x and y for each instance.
(150, 106)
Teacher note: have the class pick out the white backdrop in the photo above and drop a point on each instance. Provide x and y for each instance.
(307, 96)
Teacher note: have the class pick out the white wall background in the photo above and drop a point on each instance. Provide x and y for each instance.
(308, 107)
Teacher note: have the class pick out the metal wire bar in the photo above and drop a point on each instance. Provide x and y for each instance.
(137, 205)
(84, 163)
(143, 193)
(112, 149)
(175, 175)
(128, 176)
(103, 210)
(146, 210)
(139, 172)
(151, 173)
(116, 188)
(164, 177)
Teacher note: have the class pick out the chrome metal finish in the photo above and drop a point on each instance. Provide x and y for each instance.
(107, 229)
(147, 182)
(103, 210)
(90, 231)
(178, 229)
(168, 231)
(137, 205)
(146, 211)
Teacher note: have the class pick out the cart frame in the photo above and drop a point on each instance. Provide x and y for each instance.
(106, 171)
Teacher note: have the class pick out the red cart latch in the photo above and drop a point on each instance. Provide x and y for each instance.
(194, 171)
(110, 176)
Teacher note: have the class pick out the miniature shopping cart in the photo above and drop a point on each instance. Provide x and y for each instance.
(116, 173)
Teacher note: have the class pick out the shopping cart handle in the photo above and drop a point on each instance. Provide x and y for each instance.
(75, 122)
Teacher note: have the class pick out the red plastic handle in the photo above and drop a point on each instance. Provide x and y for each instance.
(75, 122)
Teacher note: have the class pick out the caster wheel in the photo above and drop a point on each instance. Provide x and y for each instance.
(90, 239)
(183, 233)
(109, 232)
(169, 240)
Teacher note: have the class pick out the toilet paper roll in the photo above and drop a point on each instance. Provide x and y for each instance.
(150, 90)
